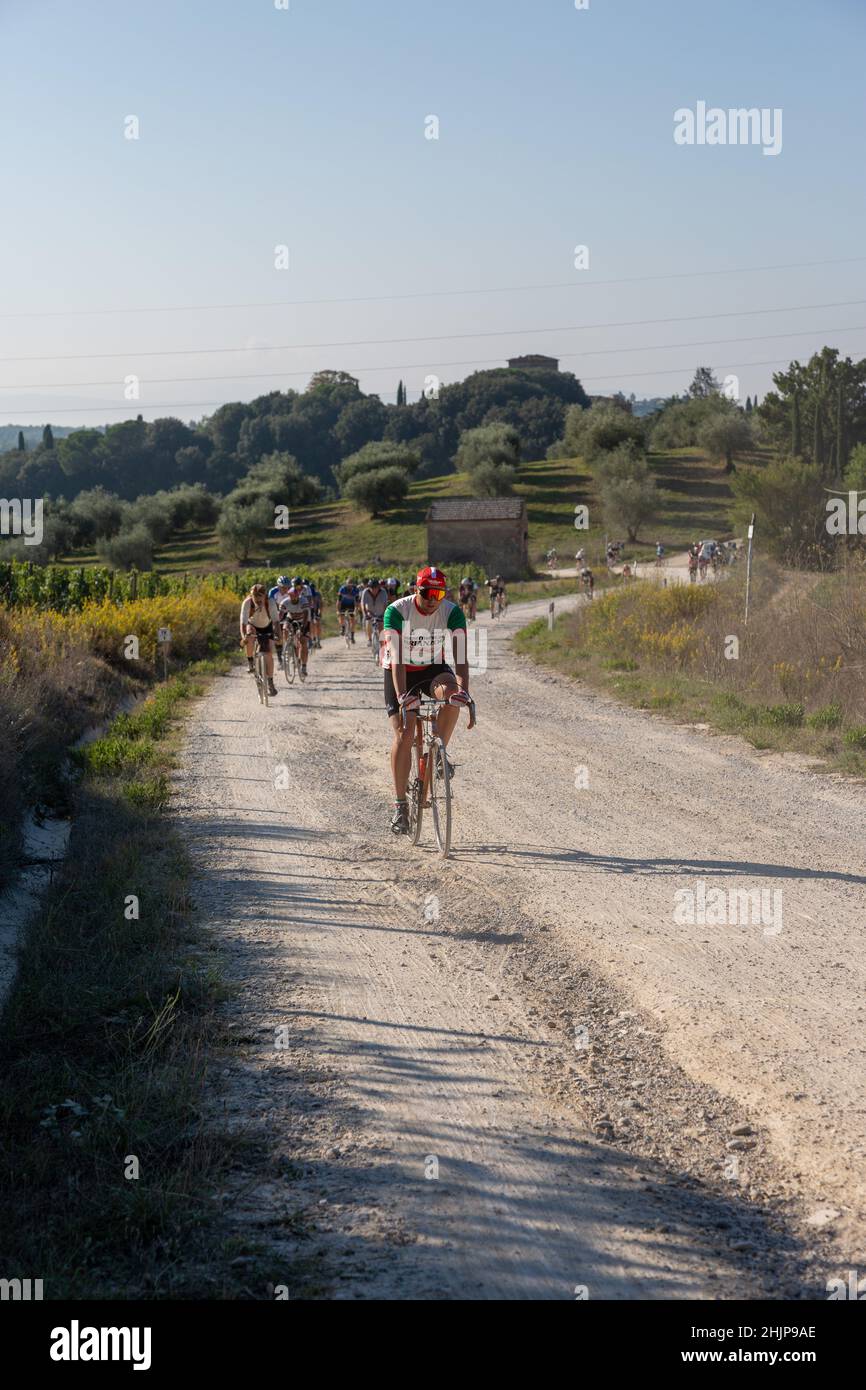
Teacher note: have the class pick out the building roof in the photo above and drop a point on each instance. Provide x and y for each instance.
(477, 509)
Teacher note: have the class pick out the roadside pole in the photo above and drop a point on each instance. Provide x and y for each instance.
(749, 565)
(163, 638)
(550, 608)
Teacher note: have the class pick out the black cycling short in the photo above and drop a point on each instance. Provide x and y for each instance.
(418, 682)
(265, 636)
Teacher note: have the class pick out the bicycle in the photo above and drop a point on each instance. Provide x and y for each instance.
(260, 671)
(346, 629)
(429, 786)
(291, 660)
(498, 606)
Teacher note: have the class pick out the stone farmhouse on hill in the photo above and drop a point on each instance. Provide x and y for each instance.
(492, 532)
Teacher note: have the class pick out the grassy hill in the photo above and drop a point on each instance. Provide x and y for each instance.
(695, 501)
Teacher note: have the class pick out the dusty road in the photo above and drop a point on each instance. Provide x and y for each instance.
(526, 1071)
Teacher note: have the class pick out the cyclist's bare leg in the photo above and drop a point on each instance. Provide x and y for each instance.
(447, 716)
(401, 752)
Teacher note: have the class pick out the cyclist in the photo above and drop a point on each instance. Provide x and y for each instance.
(660, 554)
(259, 618)
(588, 579)
(374, 601)
(496, 590)
(391, 587)
(295, 612)
(579, 558)
(280, 589)
(468, 598)
(347, 602)
(551, 558)
(315, 615)
(413, 656)
(277, 592)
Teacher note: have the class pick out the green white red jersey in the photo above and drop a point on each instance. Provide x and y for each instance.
(414, 639)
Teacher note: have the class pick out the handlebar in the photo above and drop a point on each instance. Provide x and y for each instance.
(427, 702)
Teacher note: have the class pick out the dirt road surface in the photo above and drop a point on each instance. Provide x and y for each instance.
(525, 1072)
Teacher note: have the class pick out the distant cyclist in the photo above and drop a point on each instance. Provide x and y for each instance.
(496, 592)
(374, 601)
(588, 580)
(315, 615)
(660, 554)
(413, 655)
(468, 598)
(347, 603)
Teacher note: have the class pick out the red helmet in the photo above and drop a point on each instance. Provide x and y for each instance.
(431, 578)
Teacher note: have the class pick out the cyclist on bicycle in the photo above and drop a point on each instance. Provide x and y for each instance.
(295, 614)
(588, 579)
(259, 619)
(496, 590)
(413, 655)
(315, 614)
(468, 598)
(276, 593)
(347, 602)
(374, 601)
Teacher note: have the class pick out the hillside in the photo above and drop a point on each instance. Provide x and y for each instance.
(695, 497)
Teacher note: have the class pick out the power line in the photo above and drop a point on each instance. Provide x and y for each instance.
(422, 366)
(199, 405)
(424, 294)
(428, 338)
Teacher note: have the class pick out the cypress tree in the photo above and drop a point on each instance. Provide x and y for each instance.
(796, 436)
(841, 450)
(818, 438)
(48, 437)
(22, 443)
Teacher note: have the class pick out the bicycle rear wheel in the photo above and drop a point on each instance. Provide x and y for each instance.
(415, 797)
(440, 796)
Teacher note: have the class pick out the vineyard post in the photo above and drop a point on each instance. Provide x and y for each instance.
(133, 584)
(111, 585)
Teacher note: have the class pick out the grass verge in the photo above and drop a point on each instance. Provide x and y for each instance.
(790, 682)
(109, 1169)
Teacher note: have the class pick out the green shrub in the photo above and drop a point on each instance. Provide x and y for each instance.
(829, 717)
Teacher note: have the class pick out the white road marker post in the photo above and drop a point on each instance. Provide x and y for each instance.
(550, 608)
(163, 638)
(749, 566)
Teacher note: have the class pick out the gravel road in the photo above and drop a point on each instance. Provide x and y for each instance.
(535, 1070)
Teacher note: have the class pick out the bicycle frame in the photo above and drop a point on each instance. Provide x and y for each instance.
(429, 749)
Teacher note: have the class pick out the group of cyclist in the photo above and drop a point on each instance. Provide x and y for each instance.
(291, 611)
(369, 598)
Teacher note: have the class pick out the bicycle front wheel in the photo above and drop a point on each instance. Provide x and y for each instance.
(290, 667)
(261, 678)
(415, 797)
(440, 796)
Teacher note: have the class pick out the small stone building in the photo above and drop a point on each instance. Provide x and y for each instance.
(494, 533)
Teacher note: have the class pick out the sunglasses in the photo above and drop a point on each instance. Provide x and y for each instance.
(432, 593)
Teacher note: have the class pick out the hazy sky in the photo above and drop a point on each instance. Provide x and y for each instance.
(261, 127)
